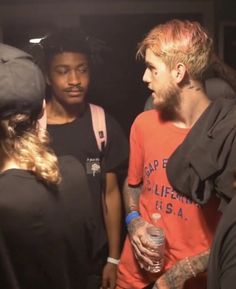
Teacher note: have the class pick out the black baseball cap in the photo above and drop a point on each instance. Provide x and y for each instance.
(22, 85)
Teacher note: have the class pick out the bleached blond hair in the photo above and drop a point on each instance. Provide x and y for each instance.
(180, 41)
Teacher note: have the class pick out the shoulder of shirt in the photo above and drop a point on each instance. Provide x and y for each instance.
(146, 115)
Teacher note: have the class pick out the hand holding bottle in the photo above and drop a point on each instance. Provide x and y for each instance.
(146, 250)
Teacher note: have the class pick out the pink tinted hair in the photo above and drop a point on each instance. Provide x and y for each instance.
(180, 41)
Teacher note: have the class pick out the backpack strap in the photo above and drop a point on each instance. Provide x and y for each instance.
(99, 125)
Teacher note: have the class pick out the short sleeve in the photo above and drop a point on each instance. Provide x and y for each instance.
(135, 172)
(117, 149)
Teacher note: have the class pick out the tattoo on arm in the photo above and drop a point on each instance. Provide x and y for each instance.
(175, 277)
(131, 197)
(134, 194)
(199, 263)
(135, 224)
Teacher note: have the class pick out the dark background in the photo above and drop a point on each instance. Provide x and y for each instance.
(117, 82)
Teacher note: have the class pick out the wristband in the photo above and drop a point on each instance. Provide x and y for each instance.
(132, 215)
(113, 260)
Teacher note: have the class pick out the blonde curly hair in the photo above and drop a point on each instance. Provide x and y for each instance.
(22, 140)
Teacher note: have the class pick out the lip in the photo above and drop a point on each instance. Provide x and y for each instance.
(75, 92)
(153, 94)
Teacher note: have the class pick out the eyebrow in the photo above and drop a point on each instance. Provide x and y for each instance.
(68, 65)
(149, 64)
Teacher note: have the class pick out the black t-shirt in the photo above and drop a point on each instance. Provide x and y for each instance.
(45, 232)
(222, 263)
(77, 139)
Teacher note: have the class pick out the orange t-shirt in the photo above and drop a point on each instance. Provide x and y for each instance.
(188, 227)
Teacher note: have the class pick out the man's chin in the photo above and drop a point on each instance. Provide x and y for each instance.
(158, 104)
(76, 100)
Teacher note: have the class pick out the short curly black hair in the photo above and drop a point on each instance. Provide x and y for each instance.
(65, 40)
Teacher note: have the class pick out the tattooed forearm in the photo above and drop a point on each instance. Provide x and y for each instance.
(131, 197)
(199, 263)
(175, 277)
(135, 224)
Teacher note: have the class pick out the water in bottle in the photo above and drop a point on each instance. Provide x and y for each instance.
(157, 237)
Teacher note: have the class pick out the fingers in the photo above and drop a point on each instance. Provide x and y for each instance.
(109, 276)
(140, 253)
(143, 248)
(147, 253)
(108, 284)
(151, 249)
(105, 283)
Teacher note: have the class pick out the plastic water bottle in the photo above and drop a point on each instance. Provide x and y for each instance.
(157, 237)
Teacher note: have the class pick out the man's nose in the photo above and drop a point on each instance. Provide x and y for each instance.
(74, 78)
(146, 76)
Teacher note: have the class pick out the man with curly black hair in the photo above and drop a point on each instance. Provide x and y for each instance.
(68, 58)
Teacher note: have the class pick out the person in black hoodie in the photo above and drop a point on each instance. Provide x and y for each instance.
(45, 227)
(222, 263)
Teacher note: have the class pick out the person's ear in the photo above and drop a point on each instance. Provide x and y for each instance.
(43, 116)
(47, 79)
(179, 72)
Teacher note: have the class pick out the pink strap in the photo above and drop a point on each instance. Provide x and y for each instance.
(99, 124)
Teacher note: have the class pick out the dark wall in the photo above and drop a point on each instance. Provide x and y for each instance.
(117, 82)
(225, 23)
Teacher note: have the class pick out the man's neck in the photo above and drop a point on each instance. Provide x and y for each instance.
(194, 101)
(61, 114)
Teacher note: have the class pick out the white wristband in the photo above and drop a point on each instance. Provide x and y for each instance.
(113, 260)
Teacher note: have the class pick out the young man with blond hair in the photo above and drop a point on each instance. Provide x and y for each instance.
(179, 161)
